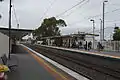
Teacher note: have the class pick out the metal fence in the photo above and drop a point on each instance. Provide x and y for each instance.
(112, 46)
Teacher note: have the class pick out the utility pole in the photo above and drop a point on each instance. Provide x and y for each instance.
(104, 18)
(101, 31)
(93, 32)
(10, 5)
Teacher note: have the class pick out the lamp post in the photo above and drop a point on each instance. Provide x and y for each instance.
(18, 26)
(104, 16)
(101, 31)
(10, 27)
(93, 32)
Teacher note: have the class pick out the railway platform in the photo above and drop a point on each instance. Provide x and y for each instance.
(33, 67)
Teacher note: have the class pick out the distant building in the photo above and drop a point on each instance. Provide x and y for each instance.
(69, 40)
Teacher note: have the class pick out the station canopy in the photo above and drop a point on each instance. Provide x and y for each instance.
(16, 33)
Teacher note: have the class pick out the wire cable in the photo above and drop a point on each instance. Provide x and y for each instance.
(113, 20)
(89, 17)
(105, 13)
(70, 8)
(99, 29)
(76, 9)
(14, 11)
(44, 14)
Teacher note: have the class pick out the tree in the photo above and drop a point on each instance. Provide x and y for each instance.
(116, 35)
(49, 27)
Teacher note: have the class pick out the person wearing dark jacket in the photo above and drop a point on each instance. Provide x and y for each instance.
(89, 45)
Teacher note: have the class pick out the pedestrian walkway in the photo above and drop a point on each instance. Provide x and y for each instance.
(30, 68)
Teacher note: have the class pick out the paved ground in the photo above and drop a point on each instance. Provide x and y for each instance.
(29, 68)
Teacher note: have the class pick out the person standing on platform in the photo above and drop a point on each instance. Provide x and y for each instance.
(99, 46)
(89, 45)
(80, 45)
(85, 46)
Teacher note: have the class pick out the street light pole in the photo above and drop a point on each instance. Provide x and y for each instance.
(104, 18)
(17, 26)
(10, 28)
(93, 32)
(101, 30)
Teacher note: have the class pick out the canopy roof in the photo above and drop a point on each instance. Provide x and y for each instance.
(16, 33)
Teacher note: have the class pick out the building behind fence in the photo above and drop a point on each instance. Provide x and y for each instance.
(112, 46)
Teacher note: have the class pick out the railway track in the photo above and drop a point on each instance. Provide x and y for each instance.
(87, 69)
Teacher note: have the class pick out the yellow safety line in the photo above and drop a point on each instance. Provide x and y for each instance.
(46, 64)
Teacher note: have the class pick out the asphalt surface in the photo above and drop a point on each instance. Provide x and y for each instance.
(28, 67)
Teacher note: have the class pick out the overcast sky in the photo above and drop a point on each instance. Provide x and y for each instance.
(30, 12)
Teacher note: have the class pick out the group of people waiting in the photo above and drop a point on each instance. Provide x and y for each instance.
(87, 45)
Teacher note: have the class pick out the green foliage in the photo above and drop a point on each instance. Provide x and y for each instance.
(116, 35)
(49, 27)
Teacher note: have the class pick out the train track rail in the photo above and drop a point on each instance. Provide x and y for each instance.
(87, 69)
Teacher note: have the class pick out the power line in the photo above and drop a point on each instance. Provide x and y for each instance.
(71, 8)
(106, 13)
(89, 17)
(44, 14)
(113, 20)
(77, 8)
(14, 11)
(99, 29)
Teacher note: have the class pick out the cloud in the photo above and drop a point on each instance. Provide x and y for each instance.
(29, 13)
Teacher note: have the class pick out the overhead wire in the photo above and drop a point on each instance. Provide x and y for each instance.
(106, 13)
(99, 29)
(89, 17)
(44, 14)
(77, 8)
(113, 20)
(14, 11)
(99, 16)
(70, 8)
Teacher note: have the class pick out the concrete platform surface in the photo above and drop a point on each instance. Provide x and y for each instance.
(30, 68)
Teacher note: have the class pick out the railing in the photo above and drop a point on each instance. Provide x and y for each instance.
(112, 46)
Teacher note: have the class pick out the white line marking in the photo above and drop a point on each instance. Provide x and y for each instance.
(65, 69)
